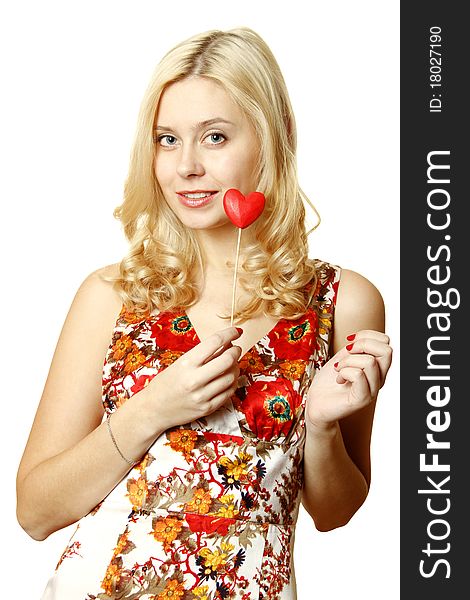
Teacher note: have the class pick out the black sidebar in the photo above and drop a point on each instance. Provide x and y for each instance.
(435, 332)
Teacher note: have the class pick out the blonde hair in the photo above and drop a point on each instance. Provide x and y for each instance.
(158, 270)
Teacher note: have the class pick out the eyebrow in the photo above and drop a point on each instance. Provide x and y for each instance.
(201, 124)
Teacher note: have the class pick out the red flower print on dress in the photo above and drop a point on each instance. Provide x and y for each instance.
(224, 438)
(166, 530)
(295, 338)
(134, 360)
(169, 356)
(122, 346)
(335, 291)
(293, 369)
(174, 590)
(182, 440)
(124, 545)
(235, 471)
(174, 331)
(270, 407)
(111, 578)
(129, 316)
(251, 362)
(207, 524)
(141, 382)
(200, 503)
(71, 550)
(137, 492)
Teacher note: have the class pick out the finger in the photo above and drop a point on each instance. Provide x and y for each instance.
(360, 392)
(368, 364)
(216, 376)
(214, 344)
(215, 367)
(367, 346)
(363, 345)
(220, 399)
(381, 350)
(220, 351)
(368, 333)
(226, 385)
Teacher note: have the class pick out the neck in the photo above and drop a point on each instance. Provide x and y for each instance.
(219, 246)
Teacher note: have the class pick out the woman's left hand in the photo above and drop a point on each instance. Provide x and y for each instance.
(350, 380)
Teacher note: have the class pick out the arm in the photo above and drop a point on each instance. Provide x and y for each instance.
(69, 463)
(340, 407)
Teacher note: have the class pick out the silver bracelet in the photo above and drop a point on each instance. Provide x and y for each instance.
(129, 462)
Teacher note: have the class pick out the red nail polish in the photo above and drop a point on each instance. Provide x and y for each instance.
(239, 329)
(351, 337)
(336, 364)
(349, 347)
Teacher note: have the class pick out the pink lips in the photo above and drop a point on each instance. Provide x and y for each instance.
(196, 202)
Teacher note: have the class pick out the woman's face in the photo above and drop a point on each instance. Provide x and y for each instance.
(205, 146)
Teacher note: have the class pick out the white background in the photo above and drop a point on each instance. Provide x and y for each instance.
(73, 75)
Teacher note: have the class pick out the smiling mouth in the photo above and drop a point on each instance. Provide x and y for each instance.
(196, 199)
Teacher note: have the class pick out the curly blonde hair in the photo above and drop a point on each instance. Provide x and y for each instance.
(159, 268)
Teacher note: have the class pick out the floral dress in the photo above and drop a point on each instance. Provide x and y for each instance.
(209, 512)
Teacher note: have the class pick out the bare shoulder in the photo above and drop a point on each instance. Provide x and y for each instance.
(97, 281)
(98, 291)
(355, 288)
(88, 326)
(94, 309)
(359, 305)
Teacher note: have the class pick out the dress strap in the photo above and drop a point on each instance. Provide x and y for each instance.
(323, 302)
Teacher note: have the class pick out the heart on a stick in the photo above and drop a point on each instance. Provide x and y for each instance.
(243, 210)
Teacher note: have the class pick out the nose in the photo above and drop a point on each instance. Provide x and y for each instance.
(190, 162)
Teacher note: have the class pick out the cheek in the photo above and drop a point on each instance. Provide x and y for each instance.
(162, 170)
(245, 170)
(237, 170)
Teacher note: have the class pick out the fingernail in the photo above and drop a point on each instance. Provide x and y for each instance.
(239, 329)
(351, 337)
(349, 347)
(336, 364)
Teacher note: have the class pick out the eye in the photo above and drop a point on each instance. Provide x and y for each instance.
(166, 140)
(216, 138)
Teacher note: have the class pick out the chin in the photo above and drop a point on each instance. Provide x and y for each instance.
(201, 224)
(209, 226)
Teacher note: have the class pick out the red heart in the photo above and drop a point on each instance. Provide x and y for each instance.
(243, 210)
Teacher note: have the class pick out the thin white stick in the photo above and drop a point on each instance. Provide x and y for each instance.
(235, 275)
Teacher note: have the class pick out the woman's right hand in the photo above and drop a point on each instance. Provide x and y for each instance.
(198, 382)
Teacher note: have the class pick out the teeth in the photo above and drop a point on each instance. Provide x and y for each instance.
(199, 195)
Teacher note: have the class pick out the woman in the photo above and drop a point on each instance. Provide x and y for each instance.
(190, 486)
